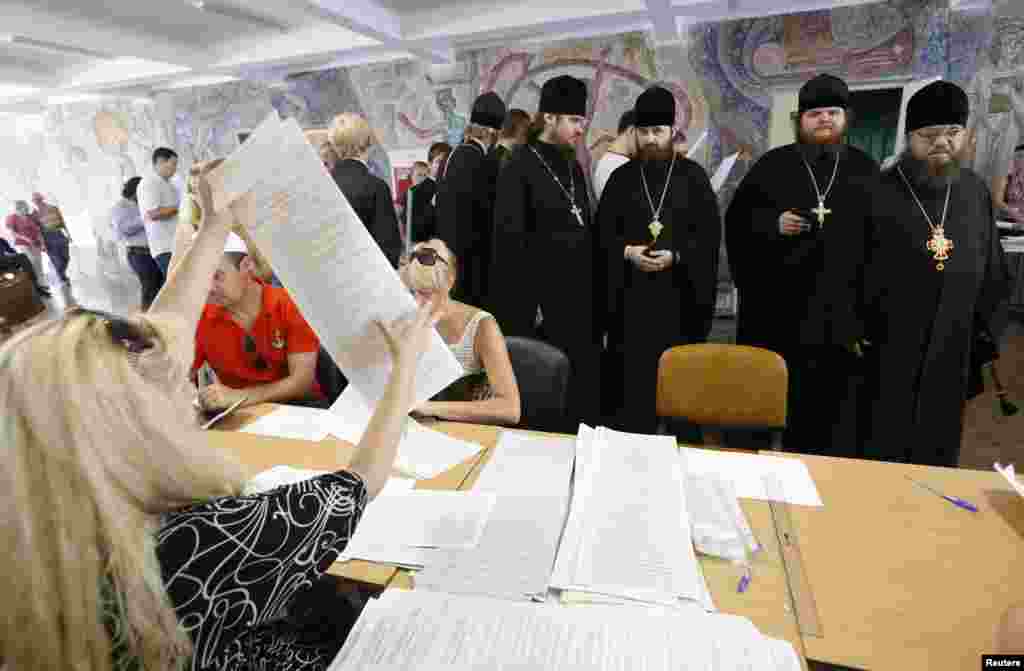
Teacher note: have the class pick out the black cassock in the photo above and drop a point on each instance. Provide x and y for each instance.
(423, 216)
(923, 322)
(802, 295)
(543, 257)
(465, 213)
(651, 312)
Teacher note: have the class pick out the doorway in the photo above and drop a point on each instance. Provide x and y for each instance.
(876, 116)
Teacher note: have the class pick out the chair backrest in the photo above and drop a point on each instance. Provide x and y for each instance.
(330, 378)
(727, 386)
(542, 373)
(19, 301)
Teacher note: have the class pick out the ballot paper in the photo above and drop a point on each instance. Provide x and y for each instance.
(748, 472)
(722, 174)
(406, 630)
(1011, 477)
(320, 249)
(631, 535)
(422, 452)
(292, 422)
(530, 476)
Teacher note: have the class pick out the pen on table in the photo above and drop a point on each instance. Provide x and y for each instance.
(956, 501)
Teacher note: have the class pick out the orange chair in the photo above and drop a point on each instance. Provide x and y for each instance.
(724, 387)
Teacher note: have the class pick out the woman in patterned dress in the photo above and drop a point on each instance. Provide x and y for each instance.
(487, 393)
(130, 545)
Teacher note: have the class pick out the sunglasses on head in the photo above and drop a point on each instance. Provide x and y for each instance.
(427, 256)
(122, 331)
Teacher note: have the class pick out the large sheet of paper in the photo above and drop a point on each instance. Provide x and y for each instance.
(422, 452)
(530, 476)
(320, 249)
(405, 630)
(748, 472)
(633, 536)
(292, 422)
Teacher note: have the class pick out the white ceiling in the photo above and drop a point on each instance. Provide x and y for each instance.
(134, 47)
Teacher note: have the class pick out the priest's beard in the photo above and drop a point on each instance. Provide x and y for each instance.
(925, 174)
(655, 152)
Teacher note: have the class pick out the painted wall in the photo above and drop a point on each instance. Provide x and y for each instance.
(724, 77)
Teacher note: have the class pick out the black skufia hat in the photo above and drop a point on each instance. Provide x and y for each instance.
(656, 107)
(940, 103)
(563, 95)
(488, 111)
(823, 91)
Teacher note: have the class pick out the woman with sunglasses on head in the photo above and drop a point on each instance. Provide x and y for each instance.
(134, 546)
(488, 393)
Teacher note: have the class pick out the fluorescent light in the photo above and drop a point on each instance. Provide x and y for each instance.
(8, 91)
(203, 80)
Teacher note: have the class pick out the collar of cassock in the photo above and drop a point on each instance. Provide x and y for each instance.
(817, 152)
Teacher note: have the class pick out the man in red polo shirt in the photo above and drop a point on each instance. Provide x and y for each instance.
(254, 339)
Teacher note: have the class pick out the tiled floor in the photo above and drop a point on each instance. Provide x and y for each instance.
(988, 435)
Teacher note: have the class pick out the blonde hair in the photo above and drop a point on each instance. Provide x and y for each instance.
(419, 277)
(351, 135)
(96, 444)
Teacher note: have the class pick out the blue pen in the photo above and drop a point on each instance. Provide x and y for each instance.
(958, 502)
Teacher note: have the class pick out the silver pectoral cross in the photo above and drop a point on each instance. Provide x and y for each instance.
(578, 212)
(821, 211)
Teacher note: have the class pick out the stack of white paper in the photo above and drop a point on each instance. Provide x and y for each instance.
(747, 472)
(396, 524)
(292, 422)
(279, 476)
(514, 559)
(334, 270)
(423, 630)
(628, 533)
(422, 452)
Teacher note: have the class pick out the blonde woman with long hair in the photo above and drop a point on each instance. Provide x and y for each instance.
(129, 543)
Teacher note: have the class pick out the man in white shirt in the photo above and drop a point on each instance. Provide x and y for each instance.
(619, 152)
(158, 200)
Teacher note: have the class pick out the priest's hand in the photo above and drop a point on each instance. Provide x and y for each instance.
(644, 263)
(791, 223)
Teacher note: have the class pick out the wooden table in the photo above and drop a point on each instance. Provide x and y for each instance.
(765, 603)
(902, 578)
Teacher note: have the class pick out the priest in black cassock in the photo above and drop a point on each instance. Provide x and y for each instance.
(937, 274)
(795, 233)
(465, 199)
(545, 246)
(660, 231)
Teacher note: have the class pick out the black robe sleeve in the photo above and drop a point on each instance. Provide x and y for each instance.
(699, 251)
(513, 293)
(385, 223)
(749, 224)
(611, 233)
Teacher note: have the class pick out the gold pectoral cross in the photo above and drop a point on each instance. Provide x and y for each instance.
(821, 211)
(939, 245)
(655, 228)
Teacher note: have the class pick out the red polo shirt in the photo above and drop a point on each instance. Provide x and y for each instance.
(278, 331)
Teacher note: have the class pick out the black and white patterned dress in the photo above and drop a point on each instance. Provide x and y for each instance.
(234, 566)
